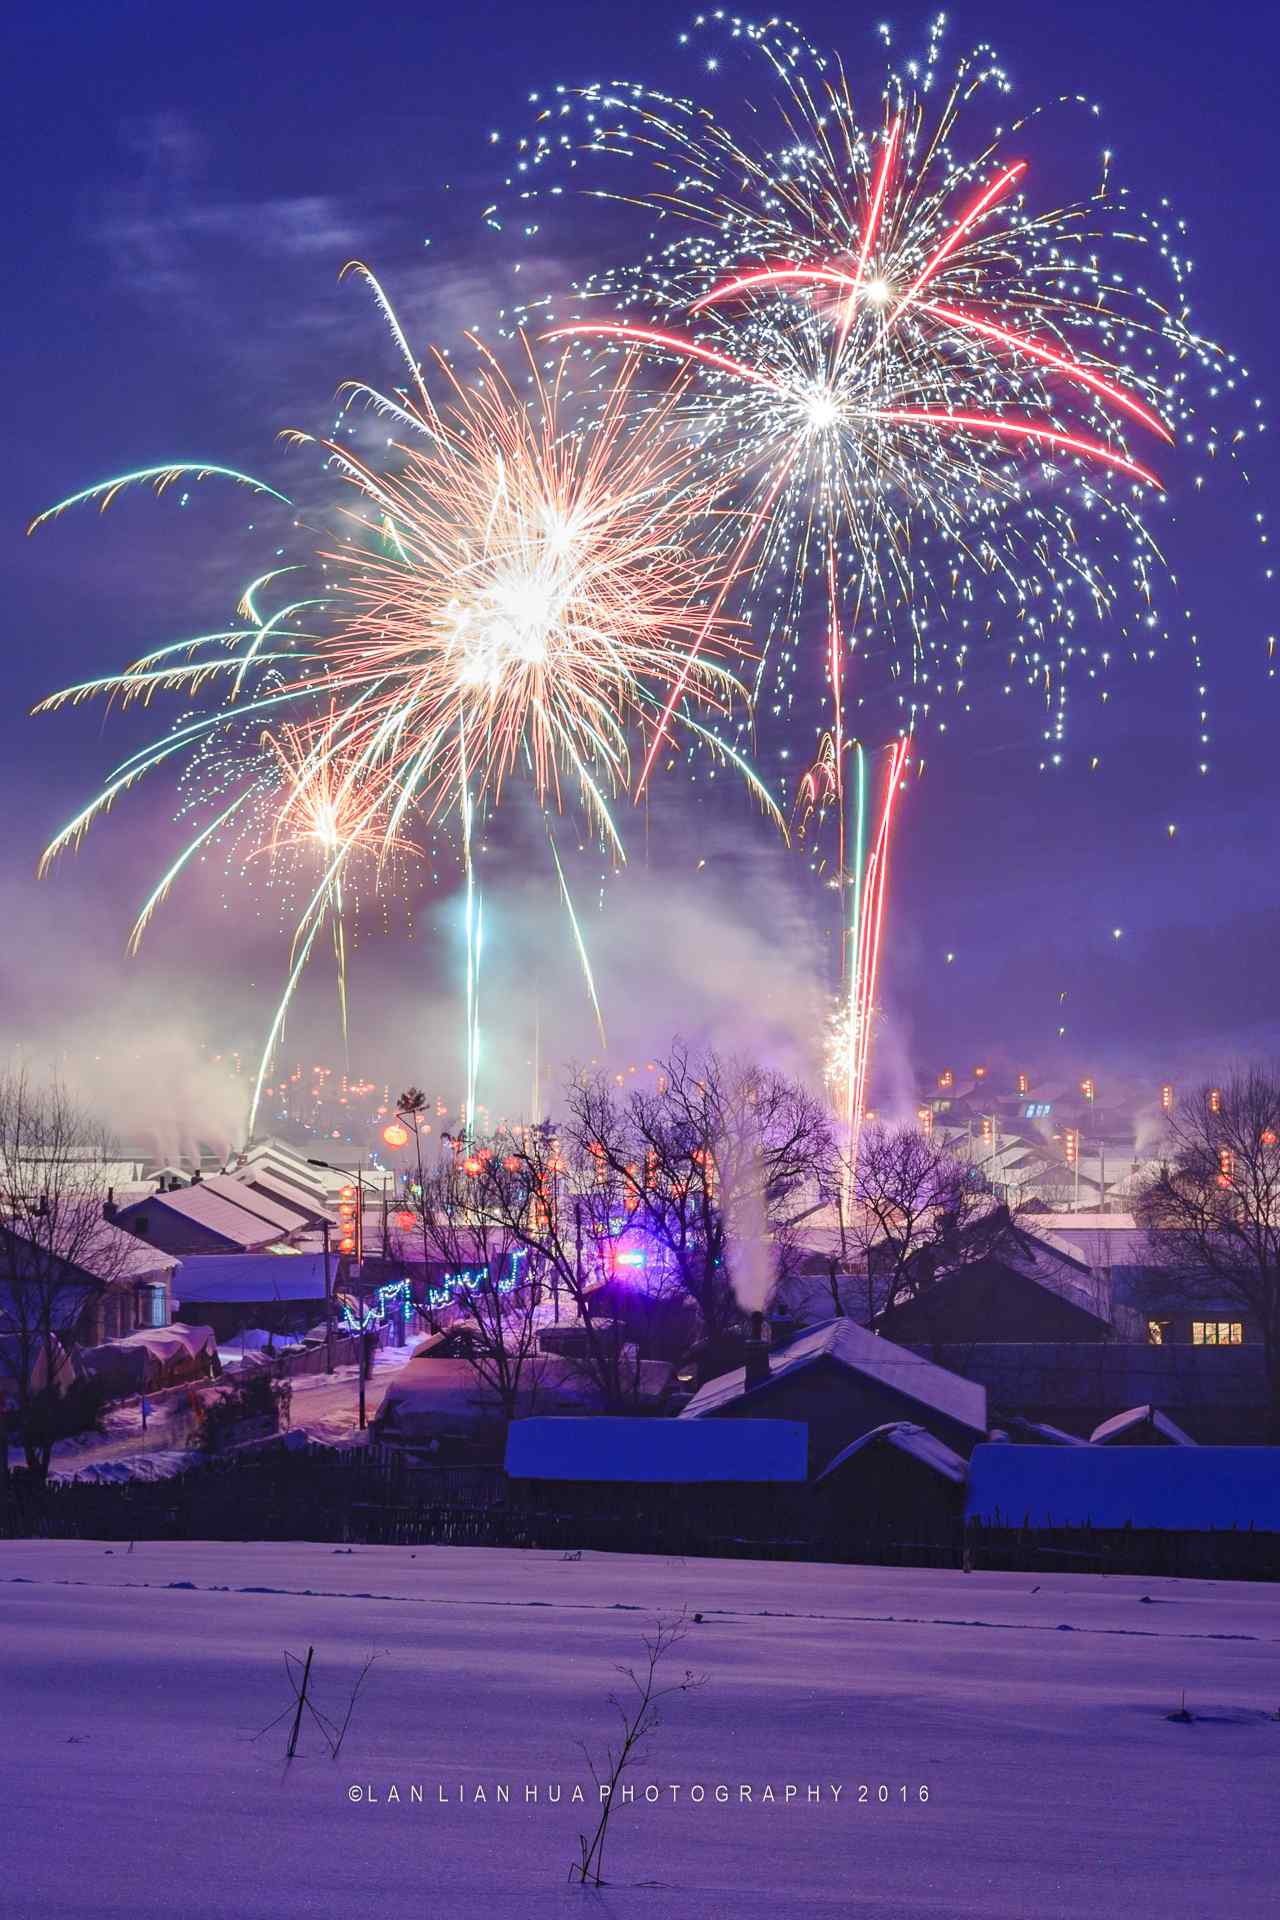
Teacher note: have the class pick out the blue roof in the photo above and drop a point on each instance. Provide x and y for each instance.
(662, 1452)
(1181, 1489)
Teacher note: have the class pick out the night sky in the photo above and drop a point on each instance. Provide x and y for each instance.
(183, 185)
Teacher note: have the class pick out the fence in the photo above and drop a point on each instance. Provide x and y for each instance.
(286, 1364)
(375, 1496)
(1232, 1553)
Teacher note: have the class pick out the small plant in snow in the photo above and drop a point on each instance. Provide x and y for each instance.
(637, 1709)
(300, 1676)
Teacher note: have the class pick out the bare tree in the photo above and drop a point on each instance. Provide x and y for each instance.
(58, 1255)
(915, 1211)
(1212, 1211)
(716, 1163)
(493, 1291)
(558, 1202)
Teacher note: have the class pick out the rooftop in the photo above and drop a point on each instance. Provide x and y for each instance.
(1128, 1422)
(903, 1437)
(862, 1352)
(206, 1208)
(256, 1277)
(1184, 1489)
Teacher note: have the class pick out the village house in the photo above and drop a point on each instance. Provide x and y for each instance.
(1023, 1290)
(123, 1285)
(898, 1485)
(198, 1220)
(282, 1294)
(843, 1381)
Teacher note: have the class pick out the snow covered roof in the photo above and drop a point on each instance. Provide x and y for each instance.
(1041, 1433)
(289, 1176)
(106, 1251)
(862, 1352)
(666, 1452)
(1187, 1489)
(903, 1437)
(230, 1277)
(1121, 1424)
(275, 1212)
(212, 1211)
(312, 1205)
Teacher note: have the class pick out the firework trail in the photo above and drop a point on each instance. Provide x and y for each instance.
(934, 399)
(512, 588)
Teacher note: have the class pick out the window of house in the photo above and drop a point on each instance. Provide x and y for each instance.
(1217, 1333)
(151, 1307)
(1160, 1332)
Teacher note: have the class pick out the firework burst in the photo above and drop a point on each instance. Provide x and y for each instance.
(513, 590)
(941, 402)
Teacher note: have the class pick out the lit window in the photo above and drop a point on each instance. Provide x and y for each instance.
(1217, 1333)
(1158, 1332)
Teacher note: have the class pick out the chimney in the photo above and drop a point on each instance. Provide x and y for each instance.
(757, 1367)
(109, 1205)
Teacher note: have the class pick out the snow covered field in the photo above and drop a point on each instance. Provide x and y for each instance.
(1034, 1712)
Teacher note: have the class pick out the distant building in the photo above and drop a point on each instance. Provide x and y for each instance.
(1024, 1291)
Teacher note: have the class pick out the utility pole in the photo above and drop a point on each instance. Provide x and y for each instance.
(328, 1301)
(360, 1290)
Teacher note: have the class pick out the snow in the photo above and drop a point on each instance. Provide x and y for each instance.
(863, 1352)
(1121, 1424)
(1035, 1711)
(249, 1200)
(664, 1452)
(1186, 1488)
(907, 1438)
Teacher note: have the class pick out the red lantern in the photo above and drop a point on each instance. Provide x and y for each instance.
(396, 1134)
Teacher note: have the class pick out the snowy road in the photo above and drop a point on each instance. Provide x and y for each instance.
(1035, 1713)
(326, 1405)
